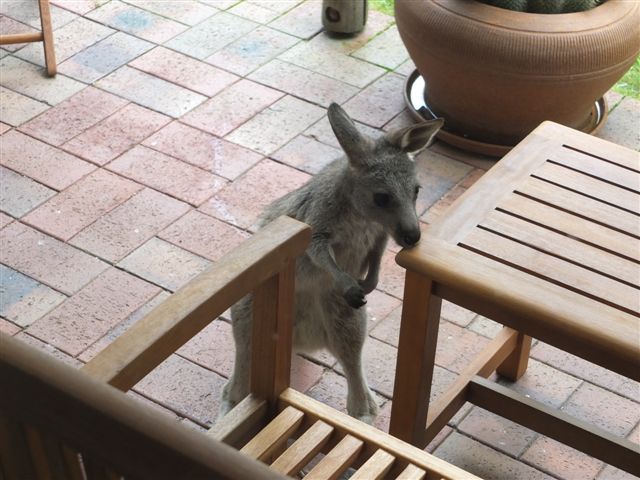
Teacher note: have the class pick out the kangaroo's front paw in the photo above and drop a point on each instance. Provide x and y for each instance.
(355, 296)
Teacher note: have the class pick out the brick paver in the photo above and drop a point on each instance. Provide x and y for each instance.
(203, 150)
(184, 387)
(122, 327)
(85, 317)
(303, 83)
(164, 264)
(78, 206)
(168, 129)
(307, 154)
(184, 71)
(45, 164)
(16, 109)
(23, 299)
(204, 235)
(151, 92)
(208, 37)
(114, 135)
(73, 116)
(162, 172)
(27, 79)
(189, 12)
(46, 259)
(252, 50)
(104, 57)
(74, 37)
(560, 460)
(19, 195)
(136, 21)
(275, 126)
(231, 107)
(241, 202)
(129, 225)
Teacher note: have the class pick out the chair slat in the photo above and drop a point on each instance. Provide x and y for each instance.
(303, 449)
(95, 471)
(337, 460)
(14, 451)
(274, 434)
(46, 455)
(241, 422)
(412, 473)
(73, 464)
(376, 467)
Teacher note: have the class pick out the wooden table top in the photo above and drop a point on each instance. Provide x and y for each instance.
(549, 240)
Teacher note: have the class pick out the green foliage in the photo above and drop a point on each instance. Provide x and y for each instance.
(545, 6)
(629, 85)
(384, 6)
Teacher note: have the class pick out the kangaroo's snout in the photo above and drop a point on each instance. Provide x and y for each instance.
(410, 237)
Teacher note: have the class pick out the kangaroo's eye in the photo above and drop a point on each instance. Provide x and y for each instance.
(381, 199)
(415, 194)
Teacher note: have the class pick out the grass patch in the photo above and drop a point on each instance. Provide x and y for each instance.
(629, 85)
(384, 6)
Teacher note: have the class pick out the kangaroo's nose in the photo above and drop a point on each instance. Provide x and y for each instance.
(411, 238)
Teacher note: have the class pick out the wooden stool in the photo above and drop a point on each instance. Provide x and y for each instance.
(45, 35)
(546, 243)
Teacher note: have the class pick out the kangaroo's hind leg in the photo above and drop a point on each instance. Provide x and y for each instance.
(238, 385)
(347, 332)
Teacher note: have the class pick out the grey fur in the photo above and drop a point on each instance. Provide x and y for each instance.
(342, 262)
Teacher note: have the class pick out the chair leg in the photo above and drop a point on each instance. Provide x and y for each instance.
(47, 37)
(416, 358)
(516, 363)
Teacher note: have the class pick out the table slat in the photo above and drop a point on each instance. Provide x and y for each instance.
(602, 169)
(563, 246)
(582, 206)
(560, 272)
(589, 186)
(577, 227)
(594, 146)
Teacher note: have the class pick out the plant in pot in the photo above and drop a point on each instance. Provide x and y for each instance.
(495, 74)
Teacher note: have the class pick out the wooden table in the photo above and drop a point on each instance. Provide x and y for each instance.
(546, 243)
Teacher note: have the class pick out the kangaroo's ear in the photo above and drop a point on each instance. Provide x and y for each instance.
(415, 137)
(354, 144)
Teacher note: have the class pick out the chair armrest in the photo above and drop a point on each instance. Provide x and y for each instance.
(170, 325)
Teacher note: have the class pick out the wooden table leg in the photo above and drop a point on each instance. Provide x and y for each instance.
(515, 364)
(416, 357)
(47, 37)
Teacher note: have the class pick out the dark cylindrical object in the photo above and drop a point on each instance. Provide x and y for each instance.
(344, 16)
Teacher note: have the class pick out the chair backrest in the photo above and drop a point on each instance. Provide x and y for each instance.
(58, 423)
(49, 411)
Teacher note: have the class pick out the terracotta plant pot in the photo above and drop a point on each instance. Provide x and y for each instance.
(494, 74)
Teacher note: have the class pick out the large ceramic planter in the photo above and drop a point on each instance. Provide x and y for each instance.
(495, 74)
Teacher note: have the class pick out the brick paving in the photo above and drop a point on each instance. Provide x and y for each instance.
(168, 128)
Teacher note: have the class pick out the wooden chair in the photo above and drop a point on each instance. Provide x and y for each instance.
(45, 35)
(546, 243)
(49, 411)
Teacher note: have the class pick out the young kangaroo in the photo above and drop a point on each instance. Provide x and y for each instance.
(353, 205)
